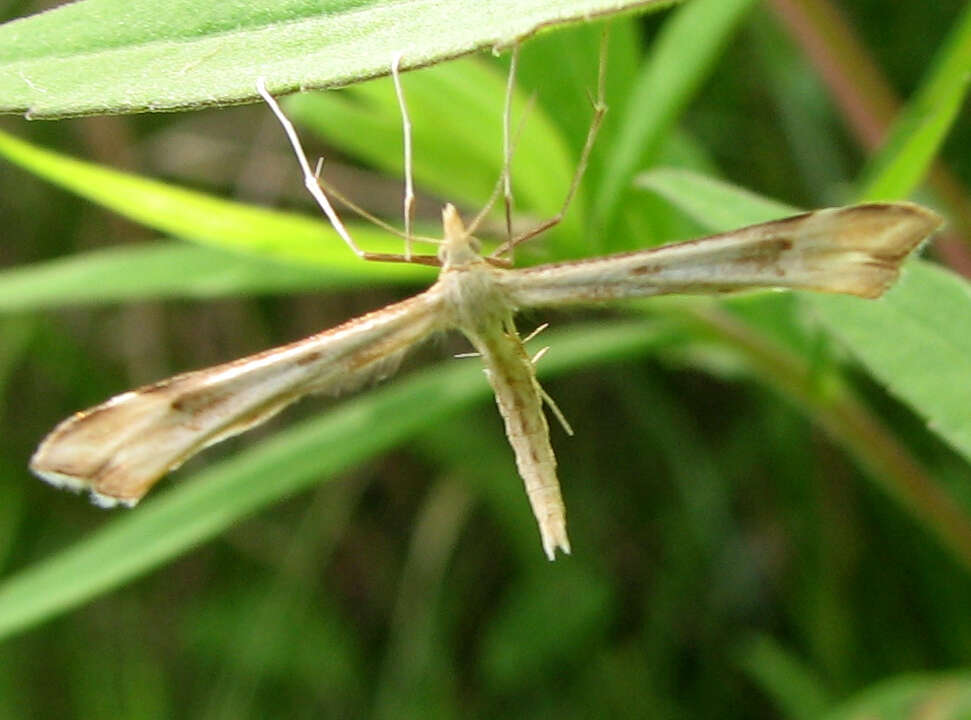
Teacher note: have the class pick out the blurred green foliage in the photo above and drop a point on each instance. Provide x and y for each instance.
(736, 554)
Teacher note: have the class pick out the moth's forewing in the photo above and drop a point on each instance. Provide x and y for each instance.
(119, 449)
(855, 250)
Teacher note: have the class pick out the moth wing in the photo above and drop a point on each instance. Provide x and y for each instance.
(855, 250)
(119, 449)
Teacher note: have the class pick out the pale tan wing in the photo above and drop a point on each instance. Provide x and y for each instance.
(119, 449)
(855, 250)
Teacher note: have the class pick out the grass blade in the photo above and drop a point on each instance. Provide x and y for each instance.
(680, 59)
(920, 130)
(158, 271)
(122, 56)
(196, 216)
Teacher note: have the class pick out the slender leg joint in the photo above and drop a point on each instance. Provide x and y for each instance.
(309, 178)
(409, 200)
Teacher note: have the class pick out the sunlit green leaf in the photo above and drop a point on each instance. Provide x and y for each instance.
(207, 219)
(114, 56)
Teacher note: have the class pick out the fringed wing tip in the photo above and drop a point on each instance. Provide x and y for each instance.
(54, 463)
(57, 479)
(897, 228)
(882, 236)
(64, 481)
(108, 502)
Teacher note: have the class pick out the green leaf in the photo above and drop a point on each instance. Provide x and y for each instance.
(794, 687)
(197, 509)
(680, 59)
(163, 270)
(117, 56)
(207, 219)
(946, 696)
(916, 340)
(920, 130)
(714, 204)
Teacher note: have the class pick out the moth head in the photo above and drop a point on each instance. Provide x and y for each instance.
(459, 247)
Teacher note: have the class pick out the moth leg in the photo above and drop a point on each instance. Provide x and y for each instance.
(507, 142)
(547, 398)
(504, 184)
(555, 409)
(309, 178)
(314, 185)
(409, 199)
(599, 110)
